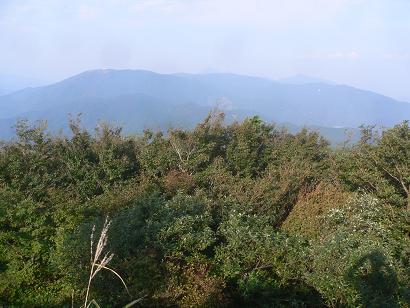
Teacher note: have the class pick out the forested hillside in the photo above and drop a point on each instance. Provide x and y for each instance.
(236, 215)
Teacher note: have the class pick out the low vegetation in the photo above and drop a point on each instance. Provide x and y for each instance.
(244, 214)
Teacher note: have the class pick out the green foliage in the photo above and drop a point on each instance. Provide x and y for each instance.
(380, 164)
(183, 226)
(309, 213)
(362, 258)
(28, 231)
(244, 214)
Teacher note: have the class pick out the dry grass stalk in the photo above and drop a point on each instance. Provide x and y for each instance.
(99, 260)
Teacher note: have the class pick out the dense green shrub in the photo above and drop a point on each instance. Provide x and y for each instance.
(362, 258)
(244, 214)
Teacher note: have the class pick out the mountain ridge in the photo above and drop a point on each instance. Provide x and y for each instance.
(130, 94)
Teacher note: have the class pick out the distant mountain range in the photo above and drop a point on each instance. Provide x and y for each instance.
(139, 99)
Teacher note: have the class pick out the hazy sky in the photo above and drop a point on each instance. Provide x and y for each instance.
(365, 43)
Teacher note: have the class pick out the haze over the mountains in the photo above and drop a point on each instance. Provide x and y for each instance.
(361, 43)
(138, 99)
(11, 83)
(354, 49)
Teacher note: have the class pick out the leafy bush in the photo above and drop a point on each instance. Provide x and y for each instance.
(361, 258)
(244, 214)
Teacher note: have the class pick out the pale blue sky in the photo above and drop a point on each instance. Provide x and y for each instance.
(364, 43)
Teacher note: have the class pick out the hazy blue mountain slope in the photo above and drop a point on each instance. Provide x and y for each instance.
(334, 105)
(102, 84)
(138, 99)
(133, 112)
(313, 104)
(303, 79)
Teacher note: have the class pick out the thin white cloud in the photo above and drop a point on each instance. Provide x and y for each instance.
(351, 55)
(255, 12)
(397, 56)
(87, 12)
(168, 6)
(338, 55)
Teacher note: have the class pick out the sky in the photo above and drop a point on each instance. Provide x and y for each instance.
(363, 43)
